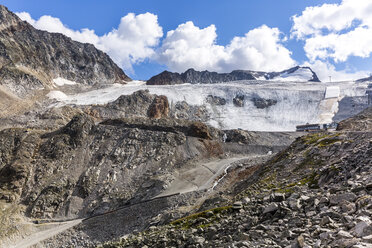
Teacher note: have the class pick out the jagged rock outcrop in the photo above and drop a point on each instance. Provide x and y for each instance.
(262, 103)
(215, 100)
(159, 108)
(238, 100)
(205, 77)
(31, 58)
(367, 79)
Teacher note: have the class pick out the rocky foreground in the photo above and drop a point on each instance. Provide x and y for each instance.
(316, 193)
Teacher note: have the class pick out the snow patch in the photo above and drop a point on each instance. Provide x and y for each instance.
(300, 75)
(332, 92)
(58, 95)
(62, 81)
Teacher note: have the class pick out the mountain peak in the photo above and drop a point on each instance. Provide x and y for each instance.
(31, 59)
(7, 18)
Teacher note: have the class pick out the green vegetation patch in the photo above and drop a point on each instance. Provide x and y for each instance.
(188, 221)
(328, 141)
(320, 138)
(311, 180)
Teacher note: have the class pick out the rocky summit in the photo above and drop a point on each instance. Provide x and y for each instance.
(31, 59)
(87, 160)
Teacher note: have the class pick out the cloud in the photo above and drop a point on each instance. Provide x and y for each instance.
(132, 42)
(326, 69)
(335, 31)
(189, 46)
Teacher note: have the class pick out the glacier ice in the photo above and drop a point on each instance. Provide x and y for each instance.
(296, 103)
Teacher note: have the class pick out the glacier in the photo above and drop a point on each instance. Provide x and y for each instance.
(296, 103)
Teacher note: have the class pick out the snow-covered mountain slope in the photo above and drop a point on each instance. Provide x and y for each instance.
(250, 105)
(296, 74)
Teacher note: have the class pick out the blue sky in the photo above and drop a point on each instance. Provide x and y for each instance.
(157, 51)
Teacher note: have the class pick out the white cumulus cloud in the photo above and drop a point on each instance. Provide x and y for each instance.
(132, 42)
(336, 31)
(189, 46)
(325, 69)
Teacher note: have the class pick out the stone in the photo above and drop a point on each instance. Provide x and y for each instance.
(344, 235)
(238, 101)
(325, 235)
(271, 208)
(325, 221)
(246, 200)
(294, 204)
(277, 197)
(262, 103)
(301, 241)
(323, 200)
(244, 236)
(338, 198)
(159, 108)
(199, 129)
(304, 198)
(199, 240)
(237, 205)
(348, 207)
(359, 228)
(367, 239)
(310, 213)
(216, 100)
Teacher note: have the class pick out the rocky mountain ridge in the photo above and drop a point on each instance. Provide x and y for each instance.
(197, 77)
(31, 59)
(367, 79)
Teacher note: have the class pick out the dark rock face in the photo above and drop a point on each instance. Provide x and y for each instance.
(196, 77)
(349, 106)
(367, 79)
(199, 129)
(30, 58)
(205, 77)
(239, 101)
(215, 100)
(262, 103)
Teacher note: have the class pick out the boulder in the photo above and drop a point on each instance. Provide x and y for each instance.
(215, 100)
(159, 108)
(271, 208)
(238, 101)
(262, 103)
(338, 198)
